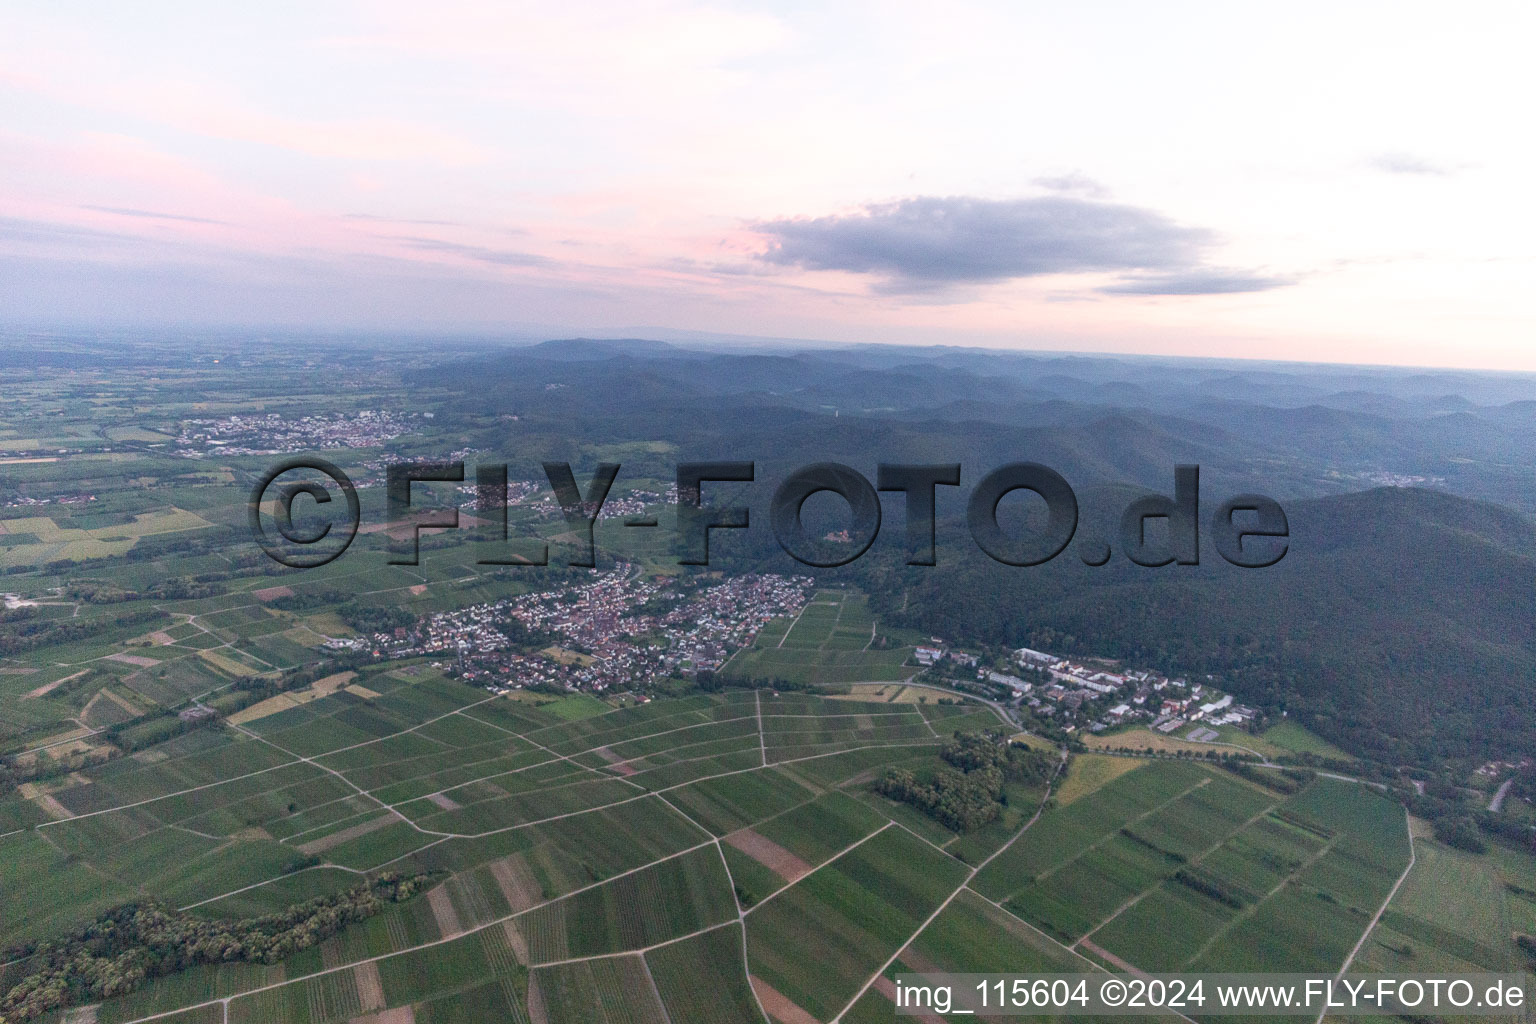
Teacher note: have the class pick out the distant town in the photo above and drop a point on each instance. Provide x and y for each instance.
(273, 434)
(619, 630)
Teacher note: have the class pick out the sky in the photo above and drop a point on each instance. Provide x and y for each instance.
(1344, 182)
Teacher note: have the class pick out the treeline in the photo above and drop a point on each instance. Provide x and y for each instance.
(171, 588)
(968, 791)
(1466, 828)
(1208, 886)
(248, 690)
(204, 541)
(148, 730)
(184, 544)
(714, 682)
(306, 599)
(244, 563)
(29, 634)
(1286, 780)
(125, 947)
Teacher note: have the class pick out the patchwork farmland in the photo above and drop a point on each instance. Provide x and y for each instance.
(716, 858)
(830, 641)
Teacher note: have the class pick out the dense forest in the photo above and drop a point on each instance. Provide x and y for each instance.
(1401, 625)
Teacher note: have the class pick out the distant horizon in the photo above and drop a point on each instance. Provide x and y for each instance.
(725, 343)
(1092, 178)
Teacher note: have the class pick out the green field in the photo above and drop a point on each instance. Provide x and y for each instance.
(829, 642)
(813, 941)
(567, 850)
(1289, 736)
(1457, 911)
(690, 859)
(36, 540)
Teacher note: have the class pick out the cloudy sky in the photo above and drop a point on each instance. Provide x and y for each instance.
(1331, 181)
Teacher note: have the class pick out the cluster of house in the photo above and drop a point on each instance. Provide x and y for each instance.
(273, 434)
(375, 471)
(1165, 704)
(619, 630)
(537, 497)
(518, 491)
(1062, 688)
(473, 628)
(1494, 769)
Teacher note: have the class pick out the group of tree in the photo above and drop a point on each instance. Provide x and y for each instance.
(960, 801)
(967, 791)
(1464, 826)
(709, 681)
(376, 618)
(303, 600)
(183, 588)
(32, 633)
(970, 751)
(148, 730)
(1520, 834)
(264, 686)
(125, 947)
(184, 544)
(1461, 832)
(168, 588)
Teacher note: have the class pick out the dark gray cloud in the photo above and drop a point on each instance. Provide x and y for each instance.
(494, 257)
(127, 211)
(1196, 282)
(932, 243)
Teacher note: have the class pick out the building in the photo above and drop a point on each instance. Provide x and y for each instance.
(1013, 683)
(927, 655)
(1027, 656)
(1215, 705)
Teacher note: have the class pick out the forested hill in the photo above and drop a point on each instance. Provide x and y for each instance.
(1401, 624)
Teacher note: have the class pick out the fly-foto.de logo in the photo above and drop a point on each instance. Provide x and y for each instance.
(1247, 530)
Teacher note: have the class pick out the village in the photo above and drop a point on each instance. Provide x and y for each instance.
(623, 630)
(619, 630)
(273, 434)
